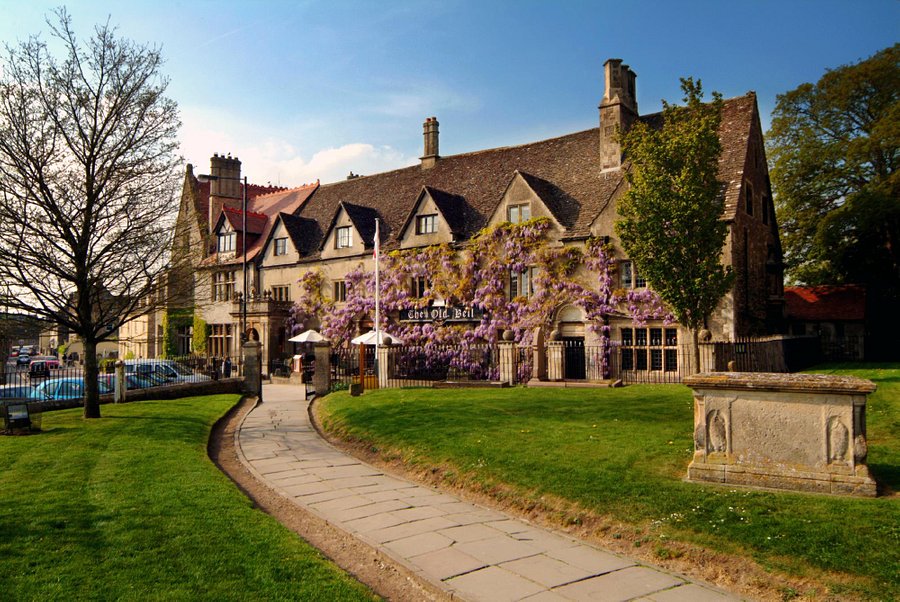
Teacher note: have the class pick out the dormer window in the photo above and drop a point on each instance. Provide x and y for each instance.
(280, 246)
(343, 238)
(426, 224)
(226, 242)
(516, 214)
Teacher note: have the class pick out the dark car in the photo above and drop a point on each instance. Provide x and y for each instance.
(23, 360)
(41, 367)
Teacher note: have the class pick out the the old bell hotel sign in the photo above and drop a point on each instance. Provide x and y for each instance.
(442, 314)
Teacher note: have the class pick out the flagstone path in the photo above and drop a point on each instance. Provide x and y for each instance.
(469, 551)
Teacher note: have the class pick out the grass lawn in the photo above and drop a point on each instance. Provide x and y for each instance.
(129, 507)
(621, 454)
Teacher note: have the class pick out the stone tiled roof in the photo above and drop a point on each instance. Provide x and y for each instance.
(302, 232)
(825, 303)
(563, 171)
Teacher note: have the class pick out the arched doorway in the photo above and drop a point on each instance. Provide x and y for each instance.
(570, 325)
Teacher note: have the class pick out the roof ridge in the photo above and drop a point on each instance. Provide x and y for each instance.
(238, 211)
(467, 154)
(286, 189)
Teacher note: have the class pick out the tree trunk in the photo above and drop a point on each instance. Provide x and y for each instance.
(91, 384)
(695, 336)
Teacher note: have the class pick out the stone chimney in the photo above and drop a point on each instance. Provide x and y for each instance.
(431, 155)
(618, 110)
(225, 191)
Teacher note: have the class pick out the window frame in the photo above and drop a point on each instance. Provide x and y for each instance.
(230, 238)
(340, 240)
(281, 292)
(280, 247)
(339, 291)
(520, 209)
(426, 224)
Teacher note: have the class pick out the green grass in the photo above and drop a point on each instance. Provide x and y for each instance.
(129, 507)
(621, 454)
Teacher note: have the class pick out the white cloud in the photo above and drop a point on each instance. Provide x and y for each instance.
(275, 158)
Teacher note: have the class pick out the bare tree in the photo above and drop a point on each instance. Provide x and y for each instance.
(88, 173)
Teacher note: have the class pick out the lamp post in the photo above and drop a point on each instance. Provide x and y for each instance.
(211, 178)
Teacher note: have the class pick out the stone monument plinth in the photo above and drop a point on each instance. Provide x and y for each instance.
(803, 432)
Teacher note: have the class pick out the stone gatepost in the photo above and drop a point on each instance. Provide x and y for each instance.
(121, 386)
(539, 355)
(322, 375)
(802, 432)
(507, 362)
(252, 367)
(555, 355)
(384, 368)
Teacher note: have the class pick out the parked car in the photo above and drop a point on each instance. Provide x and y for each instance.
(17, 392)
(133, 381)
(23, 359)
(171, 370)
(41, 366)
(65, 388)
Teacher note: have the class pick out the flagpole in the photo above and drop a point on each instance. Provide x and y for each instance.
(377, 295)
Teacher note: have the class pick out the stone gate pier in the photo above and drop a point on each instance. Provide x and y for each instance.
(802, 432)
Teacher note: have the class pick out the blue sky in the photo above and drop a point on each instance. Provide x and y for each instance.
(305, 90)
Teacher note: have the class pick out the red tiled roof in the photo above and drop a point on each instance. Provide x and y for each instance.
(256, 222)
(262, 210)
(825, 303)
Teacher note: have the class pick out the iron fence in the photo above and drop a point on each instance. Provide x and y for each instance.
(48, 379)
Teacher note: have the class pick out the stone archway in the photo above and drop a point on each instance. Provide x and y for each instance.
(569, 324)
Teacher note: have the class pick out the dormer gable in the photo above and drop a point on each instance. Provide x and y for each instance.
(351, 232)
(280, 247)
(527, 197)
(436, 217)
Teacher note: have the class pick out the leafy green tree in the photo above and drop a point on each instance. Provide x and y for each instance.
(88, 173)
(834, 151)
(671, 216)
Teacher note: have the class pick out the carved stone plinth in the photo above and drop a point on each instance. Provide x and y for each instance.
(803, 432)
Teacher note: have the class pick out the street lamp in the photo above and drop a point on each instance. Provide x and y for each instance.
(211, 178)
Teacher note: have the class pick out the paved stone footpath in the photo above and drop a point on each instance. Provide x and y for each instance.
(471, 552)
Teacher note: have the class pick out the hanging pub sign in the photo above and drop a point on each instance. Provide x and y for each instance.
(442, 314)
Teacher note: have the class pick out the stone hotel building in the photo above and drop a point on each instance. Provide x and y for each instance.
(574, 180)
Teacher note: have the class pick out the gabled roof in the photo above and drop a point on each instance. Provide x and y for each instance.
(563, 171)
(562, 206)
(452, 207)
(825, 303)
(261, 213)
(362, 218)
(301, 231)
(256, 222)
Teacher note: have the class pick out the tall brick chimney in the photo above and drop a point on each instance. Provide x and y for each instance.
(618, 110)
(226, 189)
(430, 132)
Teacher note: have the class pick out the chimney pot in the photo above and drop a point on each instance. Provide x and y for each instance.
(430, 133)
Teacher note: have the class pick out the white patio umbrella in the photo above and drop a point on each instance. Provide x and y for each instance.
(370, 337)
(309, 336)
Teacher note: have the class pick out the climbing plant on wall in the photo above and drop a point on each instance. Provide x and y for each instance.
(478, 274)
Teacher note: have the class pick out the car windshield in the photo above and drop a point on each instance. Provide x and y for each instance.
(181, 370)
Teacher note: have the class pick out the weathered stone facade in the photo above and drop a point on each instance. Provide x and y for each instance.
(574, 181)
